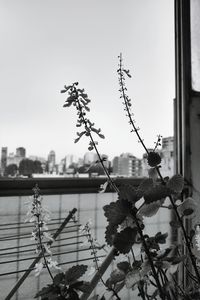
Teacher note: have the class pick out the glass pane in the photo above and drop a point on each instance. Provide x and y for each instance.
(195, 44)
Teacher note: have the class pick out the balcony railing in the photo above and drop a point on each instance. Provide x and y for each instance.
(60, 196)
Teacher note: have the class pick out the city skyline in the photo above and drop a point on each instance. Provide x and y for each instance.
(43, 48)
(35, 156)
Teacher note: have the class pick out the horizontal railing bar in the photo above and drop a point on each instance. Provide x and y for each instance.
(58, 186)
(32, 244)
(61, 264)
(28, 236)
(18, 223)
(28, 233)
(33, 249)
(27, 226)
(47, 255)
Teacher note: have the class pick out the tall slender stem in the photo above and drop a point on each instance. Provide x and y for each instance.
(157, 169)
(42, 248)
(162, 295)
(95, 147)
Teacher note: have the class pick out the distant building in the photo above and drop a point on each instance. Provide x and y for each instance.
(126, 165)
(70, 159)
(167, 155)
(51, 161)
(4, 153)
(21, 152)
(17, 157)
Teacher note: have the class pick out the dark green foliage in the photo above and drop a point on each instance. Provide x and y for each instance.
(11, 170)
(153, 159)
(65, 286)
(128, 192)
(110, 233)
(125, 239)
(116, 212)
(123, 266)
(74, 273)
(27, 167)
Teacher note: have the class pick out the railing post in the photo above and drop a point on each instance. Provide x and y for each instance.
(106, 263)
(37, 259)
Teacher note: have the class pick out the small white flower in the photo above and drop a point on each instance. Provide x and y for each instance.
(47, 248)
(48, 236)
(53, 264)
(38, 268)
(86, 243)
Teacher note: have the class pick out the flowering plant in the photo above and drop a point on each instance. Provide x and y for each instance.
(155, 273)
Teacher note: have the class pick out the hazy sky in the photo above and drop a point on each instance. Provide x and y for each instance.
(48, 43)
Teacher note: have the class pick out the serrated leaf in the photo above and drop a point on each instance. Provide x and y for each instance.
(132, 278)
(110, 233)
(116, 276)
(72, 295)
(83, 286)
(74, 273)
(125, 239)
(160, 238)
(116, 212)
(157, 192)
(145, 186)
(123, 266)
(128, 192)
(150, 209)
(176, 183)
(59, 278)
(45, 291)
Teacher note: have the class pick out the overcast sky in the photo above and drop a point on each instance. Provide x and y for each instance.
(48, 43)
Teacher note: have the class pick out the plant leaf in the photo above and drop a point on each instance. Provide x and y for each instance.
(59, 278)
(160, 238)
(149, 210)
(116, 212)
(157, 192)
(125, 239)
(176, 183)
(123, 266)
(74, 273)
(132, 278)
(45, 291)
(116, 276)
(110, 233)
(127, 192)
(145, 186)
(187, 207)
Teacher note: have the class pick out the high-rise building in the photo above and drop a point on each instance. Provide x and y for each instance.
(21, 152)
(167, 155)
(16, 158)
(51, 161)
(4, 153)
(126, 165)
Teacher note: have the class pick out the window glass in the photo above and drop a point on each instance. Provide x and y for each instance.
(195, 44)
